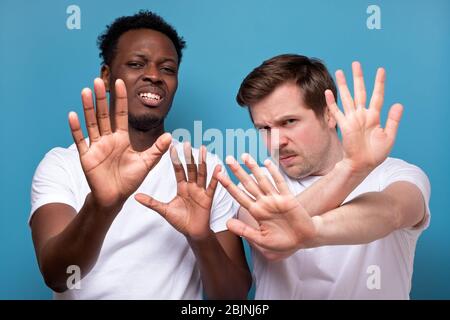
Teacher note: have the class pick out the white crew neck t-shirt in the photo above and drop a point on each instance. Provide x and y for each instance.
(381, 269)
(143, 256)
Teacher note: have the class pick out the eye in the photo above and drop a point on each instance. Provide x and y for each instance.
(266, 128)
(290, 122)
(135, 64)
(169, 70)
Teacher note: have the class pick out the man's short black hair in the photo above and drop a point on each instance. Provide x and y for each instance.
(144, 19)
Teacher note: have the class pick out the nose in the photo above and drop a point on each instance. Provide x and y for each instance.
(152, 73)
(278, 139)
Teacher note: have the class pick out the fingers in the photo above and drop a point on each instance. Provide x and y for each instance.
(358, 85)
(240, 196)
(393, 121)
(190, 163)
(202, 172)
(151, 203)
(277, 177)
(247, 181)
(101, 103)
(89, 115)
(264, 184)
(121, 106)
(77, 133)
(334, 109)
(213, 183)
(152, 155)
(376, 102)
(344, 93)
(242, 229)
(180, 175)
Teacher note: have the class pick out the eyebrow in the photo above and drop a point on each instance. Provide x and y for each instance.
(145, 57)
(285, 117)
(277, 120)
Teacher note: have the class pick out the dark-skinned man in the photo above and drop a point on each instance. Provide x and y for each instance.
(90, 202)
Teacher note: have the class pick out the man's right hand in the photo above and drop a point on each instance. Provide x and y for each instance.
(112, 168)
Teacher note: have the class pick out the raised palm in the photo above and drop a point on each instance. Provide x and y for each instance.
(189, 211)
(366, 144)
(283, 224)
(112, 168)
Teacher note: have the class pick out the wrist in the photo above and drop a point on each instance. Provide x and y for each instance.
(346, 168)
(317, 240)
(102, 210)
(200, 239)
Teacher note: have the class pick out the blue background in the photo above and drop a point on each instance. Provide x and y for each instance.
(44, 66)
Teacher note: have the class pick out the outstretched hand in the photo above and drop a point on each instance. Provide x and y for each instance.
(284, 225)
(189, 212)
(112, 168)
(366, 144)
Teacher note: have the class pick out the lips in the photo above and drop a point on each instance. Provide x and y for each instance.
(287, 159)
(151, 96)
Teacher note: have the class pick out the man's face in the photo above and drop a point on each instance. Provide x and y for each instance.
(146, 60)
(304, 141)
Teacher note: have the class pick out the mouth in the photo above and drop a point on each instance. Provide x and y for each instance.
(287, 159)
(151, 97)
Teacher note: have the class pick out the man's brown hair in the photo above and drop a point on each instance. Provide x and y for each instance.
(309, 74)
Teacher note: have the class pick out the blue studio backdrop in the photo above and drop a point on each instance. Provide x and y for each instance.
(46, 58)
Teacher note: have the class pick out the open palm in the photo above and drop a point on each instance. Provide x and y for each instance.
(366, 144)
(189, 211)
(283, 224)
(112, 168)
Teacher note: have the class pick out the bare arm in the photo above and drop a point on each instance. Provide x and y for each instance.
(284, 226)
(222, 264)
(220, 256)
(113, 171)
(365, 145)
(371, 216)
(63, 238)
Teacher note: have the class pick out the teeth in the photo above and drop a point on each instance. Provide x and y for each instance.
(149, 95)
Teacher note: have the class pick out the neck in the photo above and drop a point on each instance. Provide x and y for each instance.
(335, 154)
(142, 140)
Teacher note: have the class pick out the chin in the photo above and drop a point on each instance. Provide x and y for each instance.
(295, 173)
(145, 122)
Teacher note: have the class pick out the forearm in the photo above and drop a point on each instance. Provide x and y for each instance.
(366, 218)
(78, 244)
(331, 190)
(221, 278)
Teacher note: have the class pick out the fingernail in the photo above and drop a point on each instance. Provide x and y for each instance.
(229, 160)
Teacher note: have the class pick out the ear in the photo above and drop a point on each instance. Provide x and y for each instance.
(329, 119)
(105, 74)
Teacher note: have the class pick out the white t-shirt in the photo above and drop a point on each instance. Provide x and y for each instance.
(381, 269)
(143, 256)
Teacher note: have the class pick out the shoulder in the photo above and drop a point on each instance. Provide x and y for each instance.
(61, 156)
(399, 167)
(393, 170)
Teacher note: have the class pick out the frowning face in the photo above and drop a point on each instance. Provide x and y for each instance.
(302, 141)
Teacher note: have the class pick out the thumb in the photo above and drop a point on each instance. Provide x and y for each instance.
(151, 203)
(244, 230)
(152, 155)
(393, 121)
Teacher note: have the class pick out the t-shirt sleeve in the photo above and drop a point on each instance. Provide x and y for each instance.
(52, 182)
(399, 170)
(223, 207)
